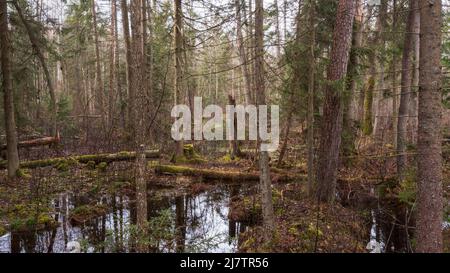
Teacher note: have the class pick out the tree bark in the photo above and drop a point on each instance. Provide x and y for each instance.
(8, 100)
(406, 82)
(98, 71)
(429, 194)
(311, 84)
(265, 183)
(178, 99)
(128, 49)
(243, 53)
(331, 130)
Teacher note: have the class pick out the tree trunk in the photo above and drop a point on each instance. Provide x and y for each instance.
(243, 53)
(130, 89)
(405, 95)
(8, 100)
(98, 71)
(331, 130)
(178, 87)
(351, 96)
(265, 183)
(429, 194)
(310, 115)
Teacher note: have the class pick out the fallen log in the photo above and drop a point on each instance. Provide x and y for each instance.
(97, 158)
(35, 142)
(232, 176)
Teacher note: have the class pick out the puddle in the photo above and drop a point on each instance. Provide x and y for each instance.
(186, 223)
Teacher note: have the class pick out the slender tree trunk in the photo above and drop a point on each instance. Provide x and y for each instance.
(429, 194)
(379, 102)
(408, 49)
(8, 100)
(265, 182)
(98, 71)
(277, 29)
(138, 24)
(394, 75)
(331, 130)
(40, 55)
(243, 53)
(415, 83)
(112, 66)
(131, 91)
(178, 84)
(311, 84)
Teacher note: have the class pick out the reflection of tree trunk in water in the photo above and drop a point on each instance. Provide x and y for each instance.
(232, 225)
(133, 221)
(115, 224)
(180, 224)
(141, 197)
(121, 222)
(64, 217)
(54, 231)
(15, 243)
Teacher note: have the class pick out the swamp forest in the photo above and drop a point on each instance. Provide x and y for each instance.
(224, 126)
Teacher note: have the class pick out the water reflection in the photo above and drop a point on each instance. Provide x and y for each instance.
(193, 223)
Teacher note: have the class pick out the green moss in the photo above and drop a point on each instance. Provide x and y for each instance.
(62, 166)
(102, 166)
(86, 212)
(23, 173)
(32, 222)
(2, 231)
(190, 156)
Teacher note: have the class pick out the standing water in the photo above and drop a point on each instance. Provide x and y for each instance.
(177, 223)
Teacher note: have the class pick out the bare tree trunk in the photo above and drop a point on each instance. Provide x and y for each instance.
(113, 65)
(131, 91)
(331, 130)
(394, 76)
(243, 53)
(36, 48)
(277, 29)
(415, 83)
(265, 182)
(310, 115)
(429, 194)
(138, 23)
(406, 88)
(98, 72)
(379, 102)
(8, 100)
(178, 97)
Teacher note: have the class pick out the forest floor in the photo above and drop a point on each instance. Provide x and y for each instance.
(370, 205)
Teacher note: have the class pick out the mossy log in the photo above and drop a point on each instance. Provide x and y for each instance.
(97, 158)
(35, 142)
(231, 176)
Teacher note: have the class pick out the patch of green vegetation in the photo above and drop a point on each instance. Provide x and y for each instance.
(62, 166)
(228, 159)
(2, 231)
(102, 166)
(32, 222)
(23, 173)
(190, 156)
(84, 213)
